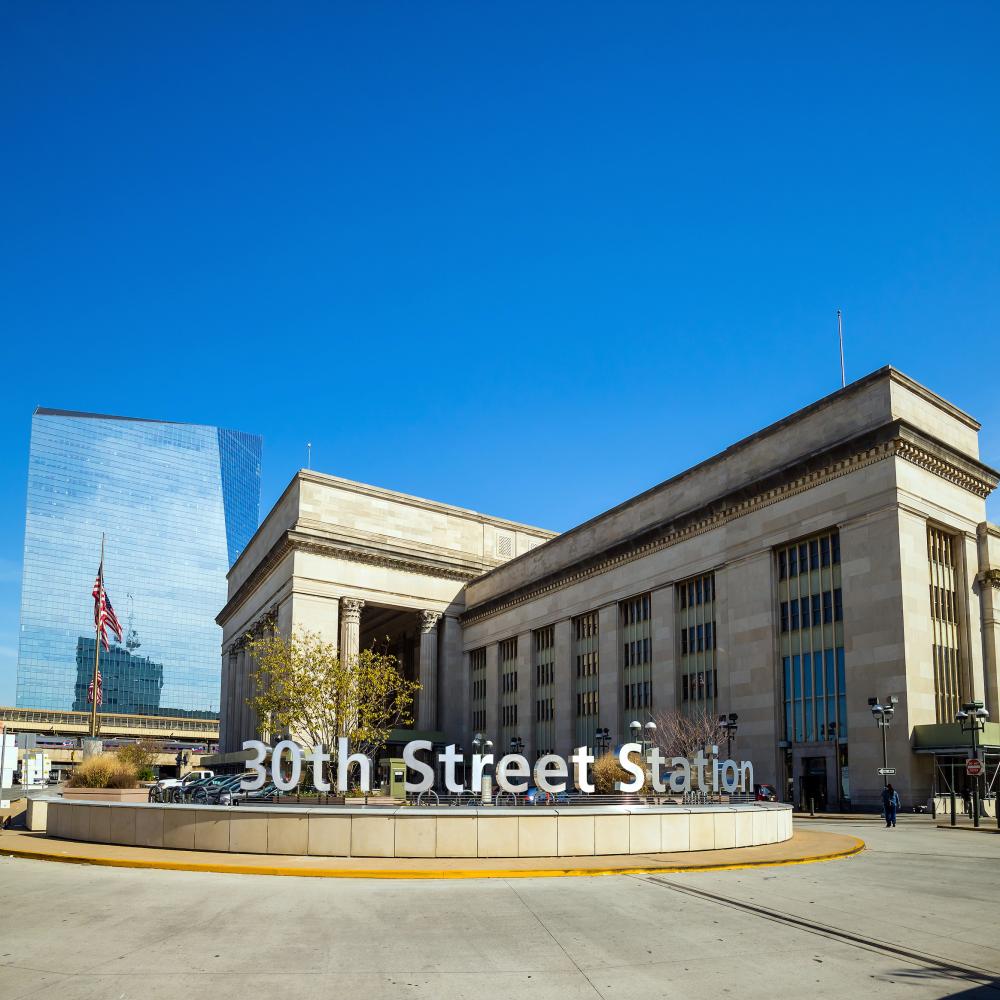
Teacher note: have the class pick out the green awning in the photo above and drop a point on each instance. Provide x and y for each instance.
(947, 737)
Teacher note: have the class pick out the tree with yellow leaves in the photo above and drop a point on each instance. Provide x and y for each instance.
(304, 689)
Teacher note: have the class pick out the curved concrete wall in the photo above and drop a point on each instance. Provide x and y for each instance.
(416, 832)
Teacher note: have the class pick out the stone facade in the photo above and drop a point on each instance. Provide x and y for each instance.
(356, 563)
(853, 481)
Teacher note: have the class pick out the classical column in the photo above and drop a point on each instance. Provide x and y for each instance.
(428, 673)
(453, 682)
(350, 628)
(227, 728)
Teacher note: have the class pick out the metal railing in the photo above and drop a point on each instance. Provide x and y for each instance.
(52, 720)
(503, 799)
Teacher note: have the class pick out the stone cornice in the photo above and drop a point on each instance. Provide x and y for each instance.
(992, 577)
(267, 619)
(894, 440)
(970, 476)
(294, 541)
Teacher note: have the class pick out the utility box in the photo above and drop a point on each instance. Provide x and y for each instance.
(35, 767)
(393, 776)
(8, 764)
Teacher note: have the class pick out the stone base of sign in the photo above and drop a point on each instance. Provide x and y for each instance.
(416, 832)
(107, 794)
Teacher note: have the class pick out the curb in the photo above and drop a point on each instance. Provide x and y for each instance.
(969, 828)
(377, 873)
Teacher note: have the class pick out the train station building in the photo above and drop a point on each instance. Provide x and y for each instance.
(839, 555)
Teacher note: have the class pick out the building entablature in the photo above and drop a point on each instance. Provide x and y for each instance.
(347, 521)
(895, 439)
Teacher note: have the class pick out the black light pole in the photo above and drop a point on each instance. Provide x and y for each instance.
(972, 718)
(482, 745)
(730, 725)
(882, 714)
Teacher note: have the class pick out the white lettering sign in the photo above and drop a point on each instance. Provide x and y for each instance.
(513, 772)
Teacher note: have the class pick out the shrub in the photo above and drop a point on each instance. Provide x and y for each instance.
(123, 776)
(607, 770)
(140, 757)
(105, 770)
(94, 772)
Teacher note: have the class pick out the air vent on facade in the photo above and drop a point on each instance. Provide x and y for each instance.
(505, 546)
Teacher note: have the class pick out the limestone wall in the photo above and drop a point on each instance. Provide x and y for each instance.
(410, 832)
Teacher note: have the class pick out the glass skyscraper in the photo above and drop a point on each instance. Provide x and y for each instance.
(177, 503)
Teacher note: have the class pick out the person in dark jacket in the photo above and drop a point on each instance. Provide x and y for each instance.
(890, 803)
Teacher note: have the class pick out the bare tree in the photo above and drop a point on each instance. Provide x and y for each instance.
(683, 734)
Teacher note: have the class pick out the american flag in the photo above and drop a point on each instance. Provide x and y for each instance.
(104, 617)
(90, 690)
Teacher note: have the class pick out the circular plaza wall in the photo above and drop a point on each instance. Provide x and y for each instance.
(424, 832)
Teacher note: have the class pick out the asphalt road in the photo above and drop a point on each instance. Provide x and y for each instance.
(914, 916)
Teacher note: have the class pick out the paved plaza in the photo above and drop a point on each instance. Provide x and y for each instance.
(914, 915)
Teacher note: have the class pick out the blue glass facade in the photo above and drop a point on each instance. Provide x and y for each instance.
(177, 504)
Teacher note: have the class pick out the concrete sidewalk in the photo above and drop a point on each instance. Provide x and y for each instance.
(804, 847)
(907, 919)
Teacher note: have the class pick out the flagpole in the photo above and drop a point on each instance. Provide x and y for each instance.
(840, 334)
(97, 646)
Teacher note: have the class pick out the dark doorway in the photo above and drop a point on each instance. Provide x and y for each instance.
(813, 783)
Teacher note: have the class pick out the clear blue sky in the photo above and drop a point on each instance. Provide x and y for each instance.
(529, 259)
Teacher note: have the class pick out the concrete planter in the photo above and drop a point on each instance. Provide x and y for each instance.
(107, 794)
(424, 831)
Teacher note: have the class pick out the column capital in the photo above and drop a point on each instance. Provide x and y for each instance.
(350, 609)
(429, 620)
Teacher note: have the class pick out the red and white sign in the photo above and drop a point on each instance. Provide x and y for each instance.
(973, 767)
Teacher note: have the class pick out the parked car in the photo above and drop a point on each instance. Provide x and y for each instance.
(765, 793)
(182, 793)
(217, 791)
(268, 792)
(536, 797)
(163, 790)
(160, 792)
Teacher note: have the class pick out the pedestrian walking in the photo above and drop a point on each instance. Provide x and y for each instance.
(890, 803)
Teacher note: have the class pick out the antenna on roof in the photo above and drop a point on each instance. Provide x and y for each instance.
(309, 454)
(840, 332)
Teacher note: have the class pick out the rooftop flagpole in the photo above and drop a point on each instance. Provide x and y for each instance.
(97, 644)
(840, 333)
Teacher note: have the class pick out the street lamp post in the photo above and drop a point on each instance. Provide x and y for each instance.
(882, 714)
(645, 736)
(972, 718)
(480, 744)
(729, 723)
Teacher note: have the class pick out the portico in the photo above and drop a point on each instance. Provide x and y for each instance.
(362, 566)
